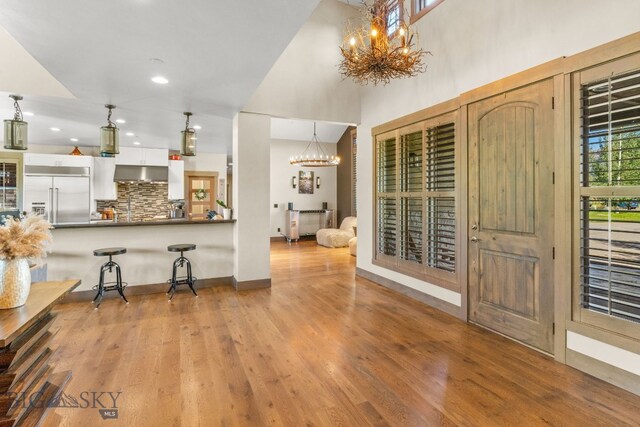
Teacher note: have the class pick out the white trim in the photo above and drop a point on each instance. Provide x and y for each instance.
(427, 288)
(604, 352)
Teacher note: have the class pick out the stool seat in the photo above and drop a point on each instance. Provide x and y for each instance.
(181, 247)
(109, 251)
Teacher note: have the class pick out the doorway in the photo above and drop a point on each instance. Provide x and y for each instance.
(201, 194)
(511, 202)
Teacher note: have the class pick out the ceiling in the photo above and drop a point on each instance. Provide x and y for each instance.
(302, 130)
(214, 54)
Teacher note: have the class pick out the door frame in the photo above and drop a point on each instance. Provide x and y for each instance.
(191, 173)
(562, 188)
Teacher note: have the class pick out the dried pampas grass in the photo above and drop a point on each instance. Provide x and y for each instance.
(29, 238)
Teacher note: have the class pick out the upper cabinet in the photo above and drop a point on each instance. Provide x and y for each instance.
(143, 156)
(176, 180)
(65, 160)
(104, 188)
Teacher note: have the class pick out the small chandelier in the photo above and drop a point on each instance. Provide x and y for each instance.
(382, 47)
(189, 138)
(109, 146)
(15, 130)
(314, 155)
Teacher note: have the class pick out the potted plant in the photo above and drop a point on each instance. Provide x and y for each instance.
(226, 211)
(20, 241)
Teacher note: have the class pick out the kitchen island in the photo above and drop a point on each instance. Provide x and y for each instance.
(147, 261)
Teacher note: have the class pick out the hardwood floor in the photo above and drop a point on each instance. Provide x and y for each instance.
(319, 348)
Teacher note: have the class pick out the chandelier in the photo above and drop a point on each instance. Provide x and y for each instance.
(314, 155)
(382, 47)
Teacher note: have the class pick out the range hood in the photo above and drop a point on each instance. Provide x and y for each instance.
(127, 173)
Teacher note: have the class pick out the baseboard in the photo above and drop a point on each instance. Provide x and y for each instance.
(429, 300)
(248, 285)
(604, 371)
(156, 288)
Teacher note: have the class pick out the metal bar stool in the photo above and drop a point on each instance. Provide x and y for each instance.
(180, 262)
(108, 266)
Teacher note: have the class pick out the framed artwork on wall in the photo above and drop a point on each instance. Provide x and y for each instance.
(305, 182)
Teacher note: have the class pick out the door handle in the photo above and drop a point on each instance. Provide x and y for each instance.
(50, 207)
(55, 216)
(474, 227)
(474, 239)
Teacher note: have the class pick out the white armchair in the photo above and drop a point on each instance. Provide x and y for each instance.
(337, 237)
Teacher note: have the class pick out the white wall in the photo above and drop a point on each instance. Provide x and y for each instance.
(303, 83)
(281, 191)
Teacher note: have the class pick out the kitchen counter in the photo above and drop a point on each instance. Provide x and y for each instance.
(99, 224)
(147, 261)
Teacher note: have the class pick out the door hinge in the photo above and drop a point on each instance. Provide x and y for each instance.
(553, 178)
(553, 252)
(553, 102)
(553, 328)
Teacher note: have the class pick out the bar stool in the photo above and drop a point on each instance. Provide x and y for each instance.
(180, 262)
(108, 266)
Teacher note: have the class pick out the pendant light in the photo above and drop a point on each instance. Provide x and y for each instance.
(15, 131)
(189, 138)
(109, 136)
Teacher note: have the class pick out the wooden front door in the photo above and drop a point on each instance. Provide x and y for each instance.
(202, 195)
(511, 214)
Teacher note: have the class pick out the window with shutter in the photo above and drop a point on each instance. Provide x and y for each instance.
(416, 199)
(354, 173)
(608, 194)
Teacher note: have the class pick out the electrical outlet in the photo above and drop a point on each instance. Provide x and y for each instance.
(278, 229)
(275, 205)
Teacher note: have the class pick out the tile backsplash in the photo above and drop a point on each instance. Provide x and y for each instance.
(147, 200)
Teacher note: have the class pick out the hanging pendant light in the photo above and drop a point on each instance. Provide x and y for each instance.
(189, 138)
(109, 146)
(314, 155)
(15, 130)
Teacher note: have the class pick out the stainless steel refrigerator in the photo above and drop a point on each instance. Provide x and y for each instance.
(61, 194)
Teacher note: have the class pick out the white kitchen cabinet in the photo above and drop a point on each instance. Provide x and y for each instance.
(63, 160)
(103, 186)
(176, 179)
(142, 156)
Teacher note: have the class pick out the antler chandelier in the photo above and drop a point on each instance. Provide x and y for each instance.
(314, 155)
(382, 47)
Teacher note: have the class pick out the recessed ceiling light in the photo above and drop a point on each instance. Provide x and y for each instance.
(73, 139)
(136, 143)
(197, 127)
(130, 134)
(27, 113)
(159, 80)
(55, 129)
(121, 121)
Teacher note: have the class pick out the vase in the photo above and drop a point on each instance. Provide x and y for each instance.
(226, 213)
(15, 282)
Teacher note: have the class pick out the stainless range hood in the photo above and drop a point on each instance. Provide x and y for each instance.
(127, 173)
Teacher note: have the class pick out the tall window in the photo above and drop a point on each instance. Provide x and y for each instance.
(415, 199)
(421, 7)
(609, 193)
(394, 16)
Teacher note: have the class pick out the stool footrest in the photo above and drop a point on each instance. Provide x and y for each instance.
(110, 286)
